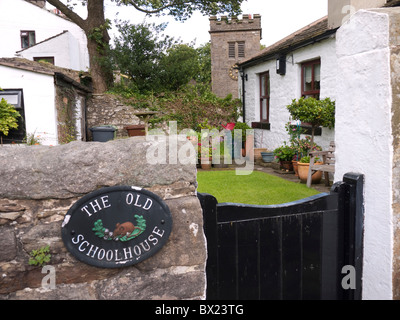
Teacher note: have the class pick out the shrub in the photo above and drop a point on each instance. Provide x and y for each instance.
(8, 117)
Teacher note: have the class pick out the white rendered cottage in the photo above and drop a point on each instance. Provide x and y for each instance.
(302, 64)
(51, 101)
(29, 30)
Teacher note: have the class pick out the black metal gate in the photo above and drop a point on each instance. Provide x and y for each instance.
(292, 251)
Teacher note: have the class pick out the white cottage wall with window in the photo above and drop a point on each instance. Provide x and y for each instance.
(285, 88)
(19, 15)
(64, 48)
(39, 101)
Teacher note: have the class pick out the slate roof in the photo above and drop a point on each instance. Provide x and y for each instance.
(310, 34)
(68, 75)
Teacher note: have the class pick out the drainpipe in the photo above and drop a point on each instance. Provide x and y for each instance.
(244, 79)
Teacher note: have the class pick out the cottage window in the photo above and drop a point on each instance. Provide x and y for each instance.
(264, 97)
(311, 79)
(15, 97)
(44, 59)
(28, 39)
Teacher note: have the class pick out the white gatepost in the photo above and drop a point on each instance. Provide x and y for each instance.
(366, 133)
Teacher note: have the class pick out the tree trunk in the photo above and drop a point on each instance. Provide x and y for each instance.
(97, 38)
(312, 136)
(98, 44)
(99, 73)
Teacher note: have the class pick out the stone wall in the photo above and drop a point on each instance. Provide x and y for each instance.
(39, 185)
(106, 109)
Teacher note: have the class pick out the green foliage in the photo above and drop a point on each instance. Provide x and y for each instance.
(97, 35)
(8, 117)
(191, 105)
(243, 127)
(178, 67)
(40, 257)
(183, 9)
(304, 146)
(158, 63)
(316, 112)
(204, 61)
(307, 159)
(138, 51)
(285, 153)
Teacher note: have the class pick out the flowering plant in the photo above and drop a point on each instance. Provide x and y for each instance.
(304, 146)
(284, 153)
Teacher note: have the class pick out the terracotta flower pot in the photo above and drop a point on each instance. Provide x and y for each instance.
(295, 167)
(286, 165)
(206, 163)
(303, 173)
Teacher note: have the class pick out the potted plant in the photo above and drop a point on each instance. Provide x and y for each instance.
(204, 150)
(294, 132)
(267, 156)
(247, 144)
(224, 156)
(315, 112)
(285, 156)
(303, 167)
(8, 118)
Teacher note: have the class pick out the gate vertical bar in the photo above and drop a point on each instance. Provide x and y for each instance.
(354, 227)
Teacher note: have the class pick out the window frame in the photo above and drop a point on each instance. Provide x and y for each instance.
(29, 44)
(313, 92)
(266, 97)
(16, 135)
(50, 60)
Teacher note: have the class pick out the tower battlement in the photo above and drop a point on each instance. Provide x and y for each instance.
(224, 23)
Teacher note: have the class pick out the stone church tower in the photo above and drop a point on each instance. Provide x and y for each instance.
(232, 40)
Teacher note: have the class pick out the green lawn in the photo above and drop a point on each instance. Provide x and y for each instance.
(259, 188)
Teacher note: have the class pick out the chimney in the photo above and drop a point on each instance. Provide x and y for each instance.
(339, 11)
(39, 3)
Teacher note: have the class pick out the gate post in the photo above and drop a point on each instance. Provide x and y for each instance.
(354, 229)
(209, 206)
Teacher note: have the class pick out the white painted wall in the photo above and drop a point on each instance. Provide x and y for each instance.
(39, 101)
(286, 88)
(17, 15)
(364, 139)
(64, 48)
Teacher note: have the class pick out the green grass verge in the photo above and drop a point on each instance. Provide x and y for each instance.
(258, 188)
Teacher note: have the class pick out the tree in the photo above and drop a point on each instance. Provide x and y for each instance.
(204, 56)
(179, 66)
(96, 25)
(316, 112)
(138, 52)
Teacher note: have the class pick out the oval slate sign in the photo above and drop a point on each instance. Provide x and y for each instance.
(116, 227)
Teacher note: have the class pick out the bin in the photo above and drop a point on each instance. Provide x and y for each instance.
(103, 133)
